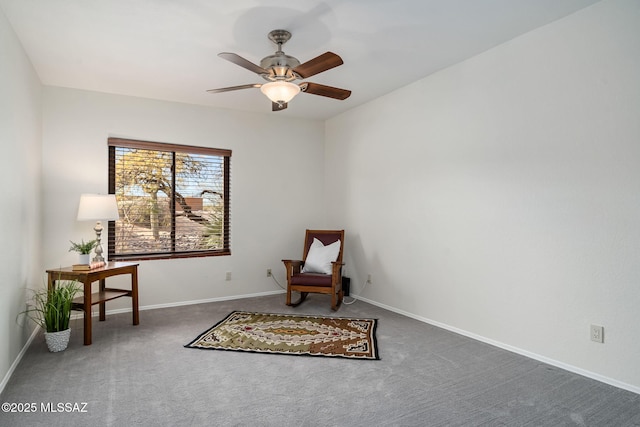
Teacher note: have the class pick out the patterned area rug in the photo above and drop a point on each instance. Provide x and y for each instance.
(290, 334)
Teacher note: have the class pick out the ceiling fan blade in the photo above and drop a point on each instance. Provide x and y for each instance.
(322, 90)
(244, 63)
(278, 106)
(324, 62)
(230, 88)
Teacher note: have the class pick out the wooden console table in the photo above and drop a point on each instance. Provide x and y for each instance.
(104, 294)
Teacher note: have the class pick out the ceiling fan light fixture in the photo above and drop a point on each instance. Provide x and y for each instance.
(280, 91)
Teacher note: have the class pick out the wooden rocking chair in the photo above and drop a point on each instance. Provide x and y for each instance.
(327, 280)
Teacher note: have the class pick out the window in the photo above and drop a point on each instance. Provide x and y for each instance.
(173, 200)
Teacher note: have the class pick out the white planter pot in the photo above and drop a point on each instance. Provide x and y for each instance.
(57, 341)
(84, 258)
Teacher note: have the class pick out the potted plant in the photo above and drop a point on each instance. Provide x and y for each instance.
(84, 249)
(51, 310)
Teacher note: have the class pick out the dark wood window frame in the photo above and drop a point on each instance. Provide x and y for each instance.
(224, 154)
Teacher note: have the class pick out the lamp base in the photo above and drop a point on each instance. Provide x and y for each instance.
(98, 249)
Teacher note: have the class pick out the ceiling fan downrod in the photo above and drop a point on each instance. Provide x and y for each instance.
(279, 37)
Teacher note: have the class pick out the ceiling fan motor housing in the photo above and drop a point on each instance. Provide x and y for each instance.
(280, 67)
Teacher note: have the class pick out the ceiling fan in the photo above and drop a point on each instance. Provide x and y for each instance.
(280, 70)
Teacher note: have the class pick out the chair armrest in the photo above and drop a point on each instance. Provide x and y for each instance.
(293, 263)
(292, 267)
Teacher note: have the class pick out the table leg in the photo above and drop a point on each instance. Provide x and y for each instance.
(87, 312)
(101, 306)
(134, 296)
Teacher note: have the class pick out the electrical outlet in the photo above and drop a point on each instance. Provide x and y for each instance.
(268, 272)
(228, 276)
(369, 278)
(597, 333)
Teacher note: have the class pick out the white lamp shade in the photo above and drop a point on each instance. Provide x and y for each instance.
(280, 91)
(97, 207)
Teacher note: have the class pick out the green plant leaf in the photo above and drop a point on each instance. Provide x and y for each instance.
(51, 309)
(82, 247)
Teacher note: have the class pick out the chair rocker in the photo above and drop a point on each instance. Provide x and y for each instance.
(320, 270)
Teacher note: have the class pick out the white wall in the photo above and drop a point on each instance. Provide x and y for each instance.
(277, 169)
(501, 197)
(20, 139)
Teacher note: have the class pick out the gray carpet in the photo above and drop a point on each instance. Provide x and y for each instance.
(143, 376)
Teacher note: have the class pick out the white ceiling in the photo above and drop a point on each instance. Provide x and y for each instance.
(167, 49)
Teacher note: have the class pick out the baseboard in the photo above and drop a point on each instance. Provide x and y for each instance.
(15, 363)
(208, 300)
(540, 358)
(181, 303)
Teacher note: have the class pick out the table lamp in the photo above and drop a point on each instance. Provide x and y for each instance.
(98, 207)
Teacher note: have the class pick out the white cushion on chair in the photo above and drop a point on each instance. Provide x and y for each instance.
(320, 257)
